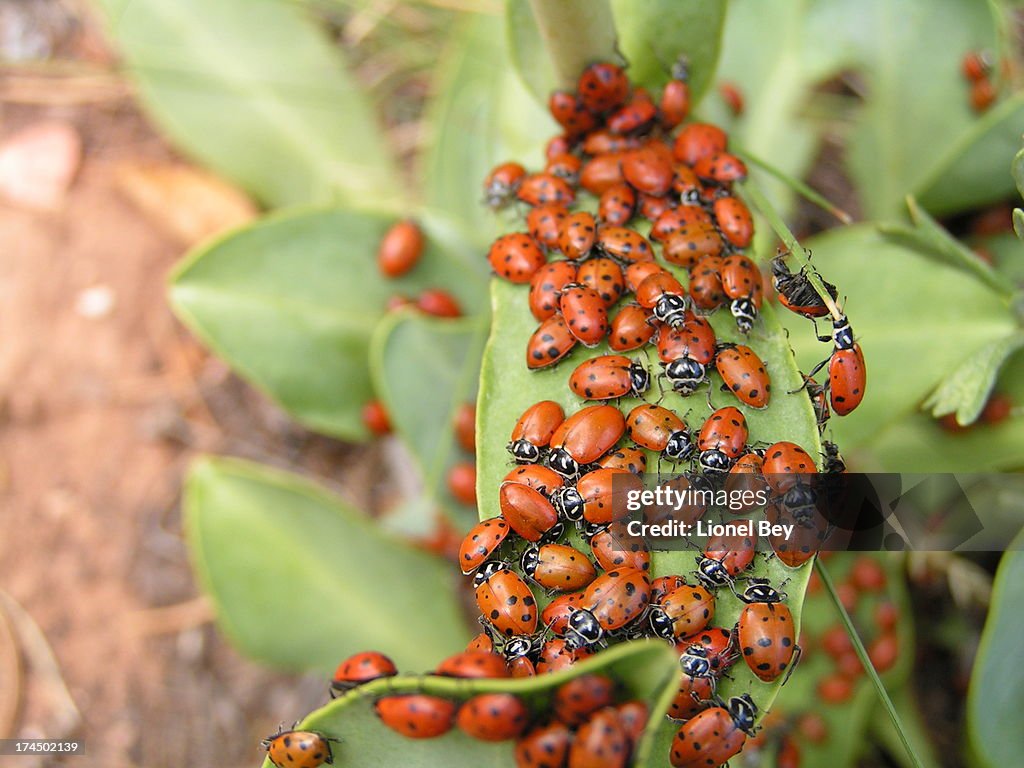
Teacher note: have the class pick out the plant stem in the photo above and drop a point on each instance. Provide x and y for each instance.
(802, 189)
(575, 33)
(803, 258)
(865, 660)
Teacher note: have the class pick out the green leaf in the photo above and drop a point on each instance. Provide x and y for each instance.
(653, 34)
(646, 670)
(256, 91)
(971, 172)
(424, 369)
(290, 303)
(482, 115)
(915, 325)
(1018, 222)
(966, 390)
(996, 695)
(296, 574)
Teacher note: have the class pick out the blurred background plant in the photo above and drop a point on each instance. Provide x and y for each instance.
(337, 118)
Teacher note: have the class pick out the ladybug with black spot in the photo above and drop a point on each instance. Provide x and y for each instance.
(299, 749)
(360, 669)
(765, 632)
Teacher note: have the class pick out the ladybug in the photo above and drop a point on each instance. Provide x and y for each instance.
(795, 292)
(686, 184)
(507, 604)
(416, 715)
(299, 749)
(634, 117)
(604, 276)
(634, 716)
(575, 701)
(647, 170)
(631, 328)
(493, 717)
(543, 746)
(624, 244)
(603, 142)
(690, 243)
(584, 312)
(522, 666)
(783, 463)
(742, 282)
(557, 145)
(400, 249)
(585, 437)
(549, 343)
(516, 257)
(847, 372)
(544, 223)
(556, 655)
(734, 220)
(656, 428)
(652, 207)
(544, 188)
(767, 637)
(682, 612)
(482, 642)
(480, 543)
(674, 106)
(602, 87)
(982, 95)
(473, 665)
(565, 166)
(601, 173)
(718, 647)
(746, 481)
(733, 98)
(611, 601)
(545, 286)
(557, 567)
(538, 477)
(501, 184)
(376, 419)
(604, 493)
(725, 432)
(601, 742)
(976, 65)
(662, 585)
(534, 430)
(617, 205)
(461, 480)
(666, 297)
(686, 352)
(724, 558)
(715, 735)
(360, 669)
(788, 755)
(639, 271)
(674, 219)
(609, 376)
(579, 231)
(706, 283)
(555, 616)
(569, 112)
(694, 695)
(464, 423)
(697, 141)
(629, 458)
(614, 548)
(721, 168)
(438, 303)
(744, 375)
(526, 510)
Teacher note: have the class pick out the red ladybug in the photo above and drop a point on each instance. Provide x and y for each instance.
(575, 701)
(601, 742)
(501, 184)
(682, 612)
(604, 276)
(507, 604)
(652, 207)
(715, 735)
(724, 434)
(493, 717)
(734, 220)
(690, 243)
(694, 695)
(676, 218)
(584, 437)
(721, 168)
(555, 615)
(569, 112)
(603, 142)
(765, 631)
(634, 716)
(544, 188)
(847, 372)
(724, 558)
(686, 352)
(461, 480)
(549, 343)
(526, 510)
(624, 244)
(686, 184)
(733, 97)
(565, 166)
(438, 303)
(482, 642)
(665, 297)
(662, 585)
(610, 602)
(534, 430)
(544, 223)
(614, 548)
(674, 106)
(416, 715)
(298, 749)
(617, 205)
(976, 65)
(579, 231)
(602, 172)
(783, 464)
(376, 419)
(584, 313)
(648, 170)
(635, 116)
(656, 428)
(697, 141)
(604, 493)
(718, 645)
(557, 567)
(481, 541)
(516, 257)
(465, 426)
(742, 282)
(558, 145)
(639, 271)
(744, 375)
(556, 655)
(982, 95)
(545, 286)
(473, 665)
(630, 458)
(609, 376)
(360, 669)
(630, 328)
(400, 249)
(706, 283)
(538, 477)
(543, 746)
(602, 87)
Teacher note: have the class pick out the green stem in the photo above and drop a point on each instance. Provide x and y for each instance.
(798, 186)
(865, 660)
(754, 196)
(575, 33)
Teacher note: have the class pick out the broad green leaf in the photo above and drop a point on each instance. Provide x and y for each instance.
(256, 91)
(645, 670)
(481, 115)
(290, 303)
(996, 695)
(972, 171)
(654, 33)
(916, 319)
(966, 390)
(301, 580)
(424, 369)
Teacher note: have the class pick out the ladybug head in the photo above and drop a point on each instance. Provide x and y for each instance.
(661, 624)
(680, 445)
(743, 711)
(713, 462)
(487, 570)
(517, 647)
(745, 313)
(564, 464)
(569, 503)
(712, 573)
(584, 630)
(524, 451)
(528, 562)
(685, 375)
(671, 309)
(553, 534)
(590, 530)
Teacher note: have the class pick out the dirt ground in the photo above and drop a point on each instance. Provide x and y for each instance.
(104, 400)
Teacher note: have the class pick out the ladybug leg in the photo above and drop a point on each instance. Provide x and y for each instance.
(826, 337)
(798, 653)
